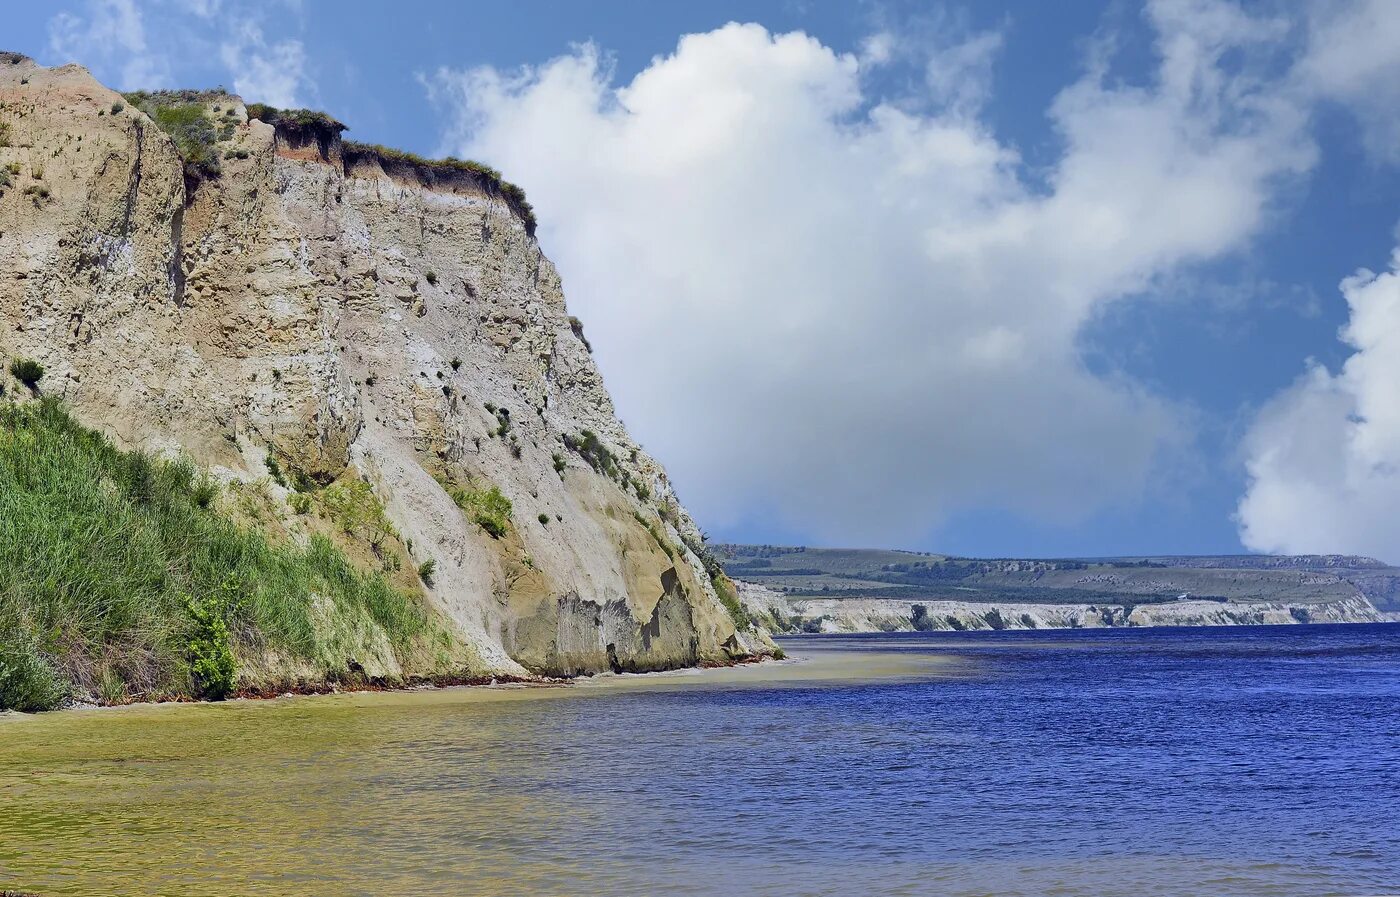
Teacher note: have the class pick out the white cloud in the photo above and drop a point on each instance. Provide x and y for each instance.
(1354, 58)
(266, 73)
(855, 318)
(114, 38)
(960, 76)
(112, 30)
(1324, 456)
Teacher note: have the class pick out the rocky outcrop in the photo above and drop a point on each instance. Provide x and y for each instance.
(813, 615)
(349, 315)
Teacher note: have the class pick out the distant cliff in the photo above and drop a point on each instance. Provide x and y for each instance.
(857, 590)
(324, 319)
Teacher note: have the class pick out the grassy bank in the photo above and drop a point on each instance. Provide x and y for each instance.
(120, 578)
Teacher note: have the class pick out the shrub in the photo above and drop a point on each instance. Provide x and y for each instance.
(294, 119)
(487, 508)
(431, 278)
(426, 570)
(117, 107)
(209, 651)
(181, 114)
(655, 535)
(577, 327)
(456, 363)
(28, 682)
(354, 507)
(503, 418)
(730, 599)
(543, 518)
(300, 503)
(274, 470)
(205, 491)
(27, 371)
(591, 449)
(560, 465)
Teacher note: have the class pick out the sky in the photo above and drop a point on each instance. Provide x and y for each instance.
(993, 278)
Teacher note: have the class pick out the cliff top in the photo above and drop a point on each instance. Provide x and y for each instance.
(186, 116)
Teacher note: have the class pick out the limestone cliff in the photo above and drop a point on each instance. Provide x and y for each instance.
(337, 313)
(849, 615)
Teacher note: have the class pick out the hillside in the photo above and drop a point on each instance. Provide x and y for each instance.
(325, 322)
(814, 582)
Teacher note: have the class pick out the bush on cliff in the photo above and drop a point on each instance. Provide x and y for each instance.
(210, 651)
(28, 681)
(729, 597)
(182, 115)
(487, 508)
(99, 549)
(27, 371)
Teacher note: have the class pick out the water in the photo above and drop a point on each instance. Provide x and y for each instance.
(1260, 760)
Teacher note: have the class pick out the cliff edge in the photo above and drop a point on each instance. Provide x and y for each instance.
(308, 318)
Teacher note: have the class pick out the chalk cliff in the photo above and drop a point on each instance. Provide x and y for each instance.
(295, 311)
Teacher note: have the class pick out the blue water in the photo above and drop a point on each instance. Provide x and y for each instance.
(1250, 761)
(1261, 760)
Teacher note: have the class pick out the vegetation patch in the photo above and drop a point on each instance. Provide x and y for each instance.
(28, 680)
(487, 177)
(117, 561)
(210, 648)
(27, 371)
(590, 448)
(730, 599)
(309, 121)
(184, 115)
(487, 508)
(655, 535)
(577, 327)
(355, 508)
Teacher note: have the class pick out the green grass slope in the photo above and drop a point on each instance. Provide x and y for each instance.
(120, 579)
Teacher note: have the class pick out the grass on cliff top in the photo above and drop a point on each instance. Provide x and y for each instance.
(107, 557)
(183, 114)
(513, 193)
(305, 119)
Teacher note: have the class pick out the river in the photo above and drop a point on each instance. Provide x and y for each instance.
(1252, 760)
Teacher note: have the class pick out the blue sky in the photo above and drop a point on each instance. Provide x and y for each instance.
(843, 284)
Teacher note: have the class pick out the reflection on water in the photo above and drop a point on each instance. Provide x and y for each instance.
(1124, 763)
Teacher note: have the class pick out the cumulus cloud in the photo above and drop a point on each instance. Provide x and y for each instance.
(1354, 58)
(115, 38)
(266, 73)
(853, 316)
(111, 31)
(1324, 456)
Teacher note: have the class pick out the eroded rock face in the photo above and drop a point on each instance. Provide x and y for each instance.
(342, 312)
(899, 615)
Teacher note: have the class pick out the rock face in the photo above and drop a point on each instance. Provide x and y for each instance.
(349, 314)
(894, 615)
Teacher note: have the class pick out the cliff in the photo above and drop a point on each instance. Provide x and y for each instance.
(816, 615)
(316, 318)
(801, 589)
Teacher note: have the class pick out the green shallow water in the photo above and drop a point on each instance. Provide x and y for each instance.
(457, 791)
